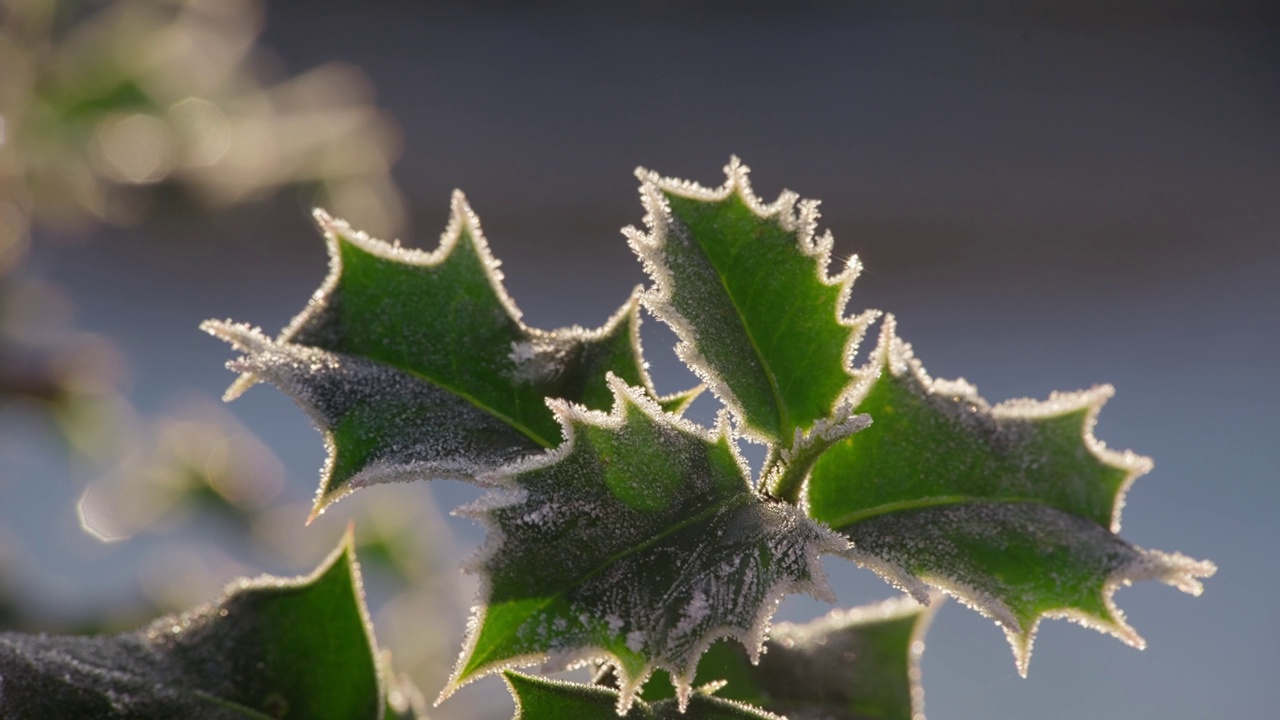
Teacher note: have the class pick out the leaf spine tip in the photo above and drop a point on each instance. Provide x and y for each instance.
(684, 689)
(329, 225)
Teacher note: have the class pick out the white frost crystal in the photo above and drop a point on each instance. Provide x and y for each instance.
(944, 539)
(685, 293)
(647, 573)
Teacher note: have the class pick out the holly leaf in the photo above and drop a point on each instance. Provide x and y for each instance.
(416, 364)
(853, 664)
(269, 648)
(542, 699)
(659, 546)
(1014, 509)
(744, 286)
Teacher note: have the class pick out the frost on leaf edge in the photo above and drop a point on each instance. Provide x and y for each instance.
(510, 677)
(890, 609)
(1174, 569)
(160, 629)
(895, 355)
(791, 213)
(257, 360)
(463, 222)
(508, 493)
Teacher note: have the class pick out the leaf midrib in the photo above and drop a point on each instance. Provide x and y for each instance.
(849, 519)
(784, 417)
(512, 422)
(707, 512)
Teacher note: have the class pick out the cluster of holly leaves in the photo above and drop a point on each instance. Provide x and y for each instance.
(623, 537)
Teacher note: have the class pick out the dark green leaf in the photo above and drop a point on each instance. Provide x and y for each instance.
(417, 365)
(543, 699)
(270, 648)
(639, 542)
(1012, 508)
(745, 287)
(857, 664)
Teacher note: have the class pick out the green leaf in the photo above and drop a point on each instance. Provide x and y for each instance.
(854, 664)
(272, 647)
(744, 286)
(1014, 508)
(638, 543)
(543, 699)
(417, 364)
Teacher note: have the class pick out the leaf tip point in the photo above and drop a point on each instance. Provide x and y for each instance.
(331, 228)
(321, 216)
(321, 505)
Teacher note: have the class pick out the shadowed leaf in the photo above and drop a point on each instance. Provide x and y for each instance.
(856, 664)
(270, 648)
(542, 699)
(639, 542)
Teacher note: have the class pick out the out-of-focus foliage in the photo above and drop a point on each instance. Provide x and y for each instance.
(109, 109)
(270, 647)
(203, 482)
(111, 112)
(97, 101)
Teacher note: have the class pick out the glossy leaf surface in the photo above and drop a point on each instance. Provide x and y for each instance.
(638, 542)
(417, 365)
(744, 286)
(1012, 508)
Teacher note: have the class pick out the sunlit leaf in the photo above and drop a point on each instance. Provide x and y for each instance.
(417, 364)
(1013, 509)
(639, 542)
(744, 286)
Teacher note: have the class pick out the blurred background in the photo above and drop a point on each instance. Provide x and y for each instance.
(1049, 195)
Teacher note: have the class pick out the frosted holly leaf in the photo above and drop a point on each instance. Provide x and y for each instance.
(744, 286)
(543, 699)
(1014, 509)
(270, 647)
(417, 364)
(854, 664)
(637, 543)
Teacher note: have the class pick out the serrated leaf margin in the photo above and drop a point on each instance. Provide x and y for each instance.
(894, 355)
(463, 222)
(346, 550)
(509, 494)
(708, 691)
(791, 213)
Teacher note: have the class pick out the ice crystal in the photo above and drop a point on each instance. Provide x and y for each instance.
(257, 651)
(1013, 509)
(417, 365)
(744, 285)
(660, 544)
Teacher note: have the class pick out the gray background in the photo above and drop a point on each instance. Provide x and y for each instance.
(1047, 197)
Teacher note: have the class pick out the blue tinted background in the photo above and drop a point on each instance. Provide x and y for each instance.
(1047, 198)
